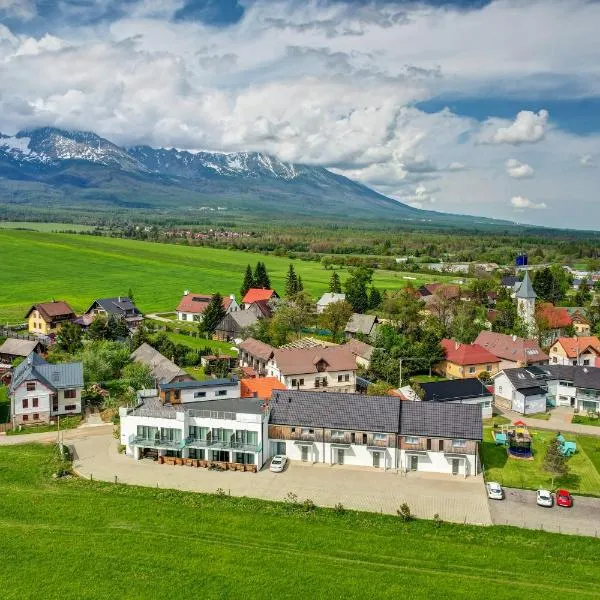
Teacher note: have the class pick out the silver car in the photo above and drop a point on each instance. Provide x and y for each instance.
(278, 463)
(494, 491)
(544, 498)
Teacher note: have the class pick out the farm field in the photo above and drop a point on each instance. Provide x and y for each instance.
(47, 227)
(118, 541)
(583, 476)
(78, 268)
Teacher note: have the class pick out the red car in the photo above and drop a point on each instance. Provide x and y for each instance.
(563, 498)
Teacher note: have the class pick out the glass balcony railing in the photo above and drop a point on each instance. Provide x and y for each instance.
(161, 444)
(191, 442)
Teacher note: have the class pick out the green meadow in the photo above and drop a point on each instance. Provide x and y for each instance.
(47, 227)
(76, 539)
(39, 266)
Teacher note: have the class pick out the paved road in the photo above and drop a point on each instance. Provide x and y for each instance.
(458, 500)
(520, 509)
(68, 435)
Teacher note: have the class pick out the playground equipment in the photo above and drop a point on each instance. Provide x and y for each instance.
(566, 448)
(516, 438)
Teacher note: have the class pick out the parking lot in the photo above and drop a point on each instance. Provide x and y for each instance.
(519, 508)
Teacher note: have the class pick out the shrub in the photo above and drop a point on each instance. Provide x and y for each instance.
(308, 505)
(339, 509)
(291, 499)
(437, 521)
(404, 513)
(221, 493)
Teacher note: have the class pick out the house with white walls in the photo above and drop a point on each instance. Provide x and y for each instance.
(191, 307)
(382, 432)
(203, 421)
(582, 350)
(41, 392)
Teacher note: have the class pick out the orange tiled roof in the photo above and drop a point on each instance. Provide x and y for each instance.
(257, 294)
(573, 346)
(260, 387)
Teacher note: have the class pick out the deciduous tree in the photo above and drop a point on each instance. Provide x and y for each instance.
(334, 317)
(69, 337)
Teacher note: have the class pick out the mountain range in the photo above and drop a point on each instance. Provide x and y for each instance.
(48, 167)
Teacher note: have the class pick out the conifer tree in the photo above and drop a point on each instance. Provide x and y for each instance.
(213, 315)
(335, 285)
(261, 277)
(300, 285)
(291, 283)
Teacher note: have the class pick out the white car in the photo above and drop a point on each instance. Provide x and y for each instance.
(278, 463)
(544, 498)
(494, 491)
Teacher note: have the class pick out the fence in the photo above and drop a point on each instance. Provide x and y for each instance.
(4, 427)
(12, 333)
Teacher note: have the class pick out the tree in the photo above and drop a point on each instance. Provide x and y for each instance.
(335, 285)
(138, 376)
(290, 317)
(551, 284)
(213, 315)
(467, 322)
(583, 295)
(130, 296)
(140, 336)
(69, 338)
(379, 388)
(248, 281)
(404, 308)
(116, 328)
(335, 316)
(300, 284)
(261, 277)
(97, 329)
(291, 282)
(356, 288)
(554, 462)
(374, 298)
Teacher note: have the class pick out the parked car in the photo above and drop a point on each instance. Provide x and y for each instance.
(544, 498)
(494, 490)
(564, 498)
(278, 463)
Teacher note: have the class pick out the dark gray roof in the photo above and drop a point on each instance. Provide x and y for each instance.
(56, 377)
(525, 377)
(532, 391)
(120, 306)
(510, 280)
(186, 385)
(252, 406)
(432, 419)
(335, 410)
(580, 376)
(386, 414)
(454, 390)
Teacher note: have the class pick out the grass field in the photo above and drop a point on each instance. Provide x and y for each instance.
(80, 268)
(74, 539)
(584, 465)
(47, 227)
(583, 420)
(199, 343)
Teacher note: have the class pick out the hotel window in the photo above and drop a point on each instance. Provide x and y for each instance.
(306, 430)
(25, 417)
(471, 369)
(347, 377)
(440, 445)
(488, 368)
(428, 444)
(411, 439)
(31, 386)
(459, 443)
(340, 377)
(69, 407)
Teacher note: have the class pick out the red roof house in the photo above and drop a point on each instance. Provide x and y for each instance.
(191, 306)
(257, 295)
(466, 360)
(260, 387)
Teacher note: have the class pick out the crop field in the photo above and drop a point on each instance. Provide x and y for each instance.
(47, 227)
(116, 541)
(583, 476)
(39, 266)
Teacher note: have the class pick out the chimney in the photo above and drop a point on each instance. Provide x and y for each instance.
(514, 338)
(232, 296)
(186, 292)
(456, 345)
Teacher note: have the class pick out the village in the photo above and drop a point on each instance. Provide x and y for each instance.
(401, 382)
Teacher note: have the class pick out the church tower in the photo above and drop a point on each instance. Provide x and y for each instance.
(526, 303)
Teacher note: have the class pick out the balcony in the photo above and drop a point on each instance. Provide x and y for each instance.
(191, 442)
(160, 444)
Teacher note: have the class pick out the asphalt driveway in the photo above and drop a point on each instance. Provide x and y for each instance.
(520, 509)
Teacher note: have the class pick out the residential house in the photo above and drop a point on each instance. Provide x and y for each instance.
(328, 298)
(581, 323)
(326, 369)
(163, 370)
(13, 348)
(510, 281)
(257, 295)
(39, 391)
(532, 389)
(261, 308)
(459, 391)
(583, 350)
(362, 352)
(556, 321)
(255, 354)
(361, 324)
(466, 360)
(260, 387)
(120, 307)
(512, 351)
(46, 318)
(234, 325)
(444, 290)
(192, 306)
(198, 421)
(379, 431)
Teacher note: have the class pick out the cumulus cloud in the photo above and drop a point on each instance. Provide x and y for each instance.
(456, 166)
(518, 170)
(528, 127)
(520, 202)
(587, 160)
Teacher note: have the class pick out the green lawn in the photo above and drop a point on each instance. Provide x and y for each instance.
(45, 227)
(584, 465)
(199, 343)
(196, 372)
(114, 541)
(542, 416)
(4, 405)
(80, 268)
(583, 420)
(426, 378)
(65, 423)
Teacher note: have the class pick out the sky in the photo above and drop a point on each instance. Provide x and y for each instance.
(488, 108)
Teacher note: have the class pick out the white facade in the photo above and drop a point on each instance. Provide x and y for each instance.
(197, 317)
(584, 359)
(439, 462)
(33, 402)
(507, 396)
(325, 381)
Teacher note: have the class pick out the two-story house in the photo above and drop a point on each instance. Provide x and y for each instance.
(575, 351)
(192, 306)
(325, 369)
(255, 355)
(258, 295)
(120, 307)
(512, 351)
(40, 391)
(200, 420)
(466, 360)
(46, 318)
(379, 431)
(523, 390)
(162, 369)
